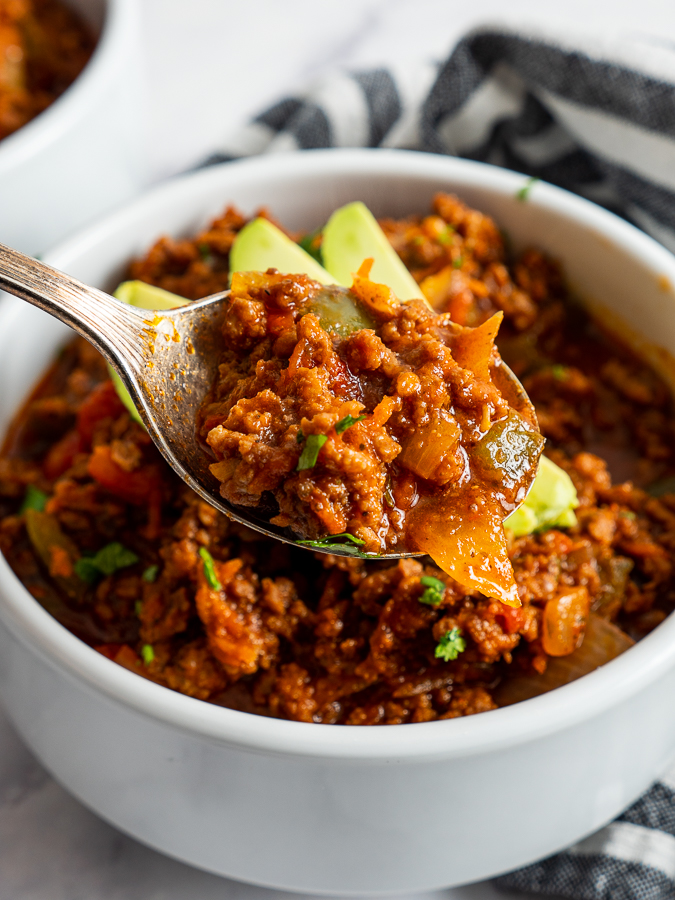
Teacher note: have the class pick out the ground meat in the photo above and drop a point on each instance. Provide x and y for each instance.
(331, 639)
(403, 404)
(44, 46)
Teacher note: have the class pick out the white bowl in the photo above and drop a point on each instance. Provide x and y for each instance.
(84, 154)
(342, 809)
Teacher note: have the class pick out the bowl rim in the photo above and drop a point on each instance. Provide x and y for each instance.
(499, 729)
(60, 116)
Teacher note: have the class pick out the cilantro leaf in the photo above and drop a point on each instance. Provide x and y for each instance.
(336, 541)
(445, 237)
(148, 653)
(107, 561)
(458, 263)
(347, 422)
(150, 574)
(435, 589)
(524, 191)
(34, 499)
(87, 570)
(138, 608)
(331, 538)
(209, 569)
(450, 645)
(310, 451)
(300, 436)
(113, 557)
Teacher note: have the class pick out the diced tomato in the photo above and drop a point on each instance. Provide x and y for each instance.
(510, 618)
(61, 455)
(102, 403)
(135, 487)
(142, 487)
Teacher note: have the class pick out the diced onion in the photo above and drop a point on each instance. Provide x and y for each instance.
(425, 451)
(564, 621)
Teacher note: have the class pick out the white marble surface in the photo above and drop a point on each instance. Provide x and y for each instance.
(52, 848)
(209, 65)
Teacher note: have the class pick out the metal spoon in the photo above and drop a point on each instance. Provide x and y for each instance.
(167, 361)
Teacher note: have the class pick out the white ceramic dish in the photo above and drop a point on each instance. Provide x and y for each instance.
(84, 154)
(337, 809)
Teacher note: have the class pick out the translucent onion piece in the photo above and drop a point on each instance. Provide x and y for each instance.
(338, 311)
(48, 538)
(602, 643)
(427, 449)
(466, 539)
(509, 450)
(564, 621)
(436, 288)
(472, 348)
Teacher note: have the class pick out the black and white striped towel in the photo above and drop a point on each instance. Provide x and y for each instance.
(598, 120)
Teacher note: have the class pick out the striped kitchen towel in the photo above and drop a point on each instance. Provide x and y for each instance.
(595, 118)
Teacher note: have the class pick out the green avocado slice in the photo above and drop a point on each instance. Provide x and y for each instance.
(143, 296)
(260, 245)
(351, 235)
(550, 503)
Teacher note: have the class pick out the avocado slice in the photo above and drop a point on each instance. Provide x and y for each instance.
(143, 296)
(351, 235)
(550, 503)
(260, 245)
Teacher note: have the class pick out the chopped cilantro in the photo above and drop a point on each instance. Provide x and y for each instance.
(419, 240)
(351, 547)
(435, 589)
(445, 237)
(150, 574)
(330, 538)
(34, 499)
(347, 422)
(627, 514)
(559, 372)
(524, 192)
(310, 452)
(107, 561)
(113, 557)
(345, 549)
(147, 653)
(300, 436)
(458, 263)
(450, 645)
(87, 570)
(209, 569)
(204, 251)
(138, 608)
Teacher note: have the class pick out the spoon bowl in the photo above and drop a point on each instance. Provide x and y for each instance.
(168, 360)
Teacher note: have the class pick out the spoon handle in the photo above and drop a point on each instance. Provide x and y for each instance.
(112, 327)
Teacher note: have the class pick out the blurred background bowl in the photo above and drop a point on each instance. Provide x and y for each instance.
(84, 154)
